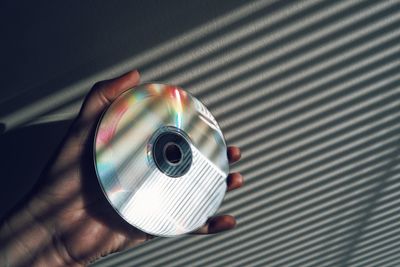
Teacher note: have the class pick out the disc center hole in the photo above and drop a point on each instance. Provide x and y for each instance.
(173, 153)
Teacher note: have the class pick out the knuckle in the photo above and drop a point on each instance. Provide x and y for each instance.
(98, 85)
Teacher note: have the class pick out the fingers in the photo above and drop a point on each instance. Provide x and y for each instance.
(103, 93)
(217, 225)
(234, 181)
(234, 154)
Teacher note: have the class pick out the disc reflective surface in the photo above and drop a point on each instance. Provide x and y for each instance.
(161, 159)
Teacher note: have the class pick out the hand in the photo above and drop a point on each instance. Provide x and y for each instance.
(66, 219)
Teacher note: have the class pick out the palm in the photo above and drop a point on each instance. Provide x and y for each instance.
(86, 224)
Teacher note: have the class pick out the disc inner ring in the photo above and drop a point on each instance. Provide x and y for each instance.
(171, 151)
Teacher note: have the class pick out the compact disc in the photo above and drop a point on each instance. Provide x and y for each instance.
(161, 159)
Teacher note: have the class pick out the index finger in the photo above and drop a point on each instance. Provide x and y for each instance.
(234, 154)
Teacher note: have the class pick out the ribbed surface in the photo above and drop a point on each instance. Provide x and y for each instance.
(311, 93)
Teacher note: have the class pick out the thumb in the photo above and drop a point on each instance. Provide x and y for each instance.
(97, 100)
(101, 95)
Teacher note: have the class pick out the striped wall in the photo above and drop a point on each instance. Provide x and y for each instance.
(310, 91)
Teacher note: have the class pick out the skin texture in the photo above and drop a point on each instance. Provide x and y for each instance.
(66, 221)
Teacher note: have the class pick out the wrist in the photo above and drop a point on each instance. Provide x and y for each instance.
(28, 239)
